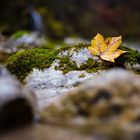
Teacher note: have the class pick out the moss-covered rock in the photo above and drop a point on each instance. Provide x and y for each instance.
(130, 60)
(68, 59)
(23, 62)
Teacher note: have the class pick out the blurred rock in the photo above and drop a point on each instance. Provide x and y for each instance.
(17, 102)
(65, 73)
(132, 45)
(50, 84)
(44, 132)
(75, 40)
(106, 107)
(23, 40)
(72, 66)
(4, 56)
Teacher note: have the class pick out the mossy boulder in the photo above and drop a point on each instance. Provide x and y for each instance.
(68, 59)
(53, 73)
(22, 63)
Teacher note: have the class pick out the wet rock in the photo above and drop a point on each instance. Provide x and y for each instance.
(105, 107)
(17, 102)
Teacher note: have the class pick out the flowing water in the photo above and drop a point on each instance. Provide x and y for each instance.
(37, 21)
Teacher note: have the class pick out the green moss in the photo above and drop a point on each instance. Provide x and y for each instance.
(23, 62)
(82, 75)
(20, 34)
(92, 65)
(131, 57)
(68, 48)
(66, 64)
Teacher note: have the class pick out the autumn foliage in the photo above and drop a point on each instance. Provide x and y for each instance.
(107, 49)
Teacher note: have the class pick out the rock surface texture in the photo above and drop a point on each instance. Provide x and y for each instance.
(72, 67)
(23, 40)
(17, 103)
(106, 107)
(103, 108)
(52, 73)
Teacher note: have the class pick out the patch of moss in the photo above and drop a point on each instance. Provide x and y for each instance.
(20, 34)
(76, 48)
(66, 65)
(82, 75)
(131, 57)
(92, 65)
(23, 62)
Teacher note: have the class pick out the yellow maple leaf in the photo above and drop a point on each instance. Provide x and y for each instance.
(106, 49)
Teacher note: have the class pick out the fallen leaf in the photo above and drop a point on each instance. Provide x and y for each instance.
(106, 49)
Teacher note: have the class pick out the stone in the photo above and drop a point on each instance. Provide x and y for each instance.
(52, 73)
(49, 85)
(17, 102)
(22, 40)
(106, 107)
(75, 40)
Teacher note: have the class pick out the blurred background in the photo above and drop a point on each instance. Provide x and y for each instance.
(58, 19)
